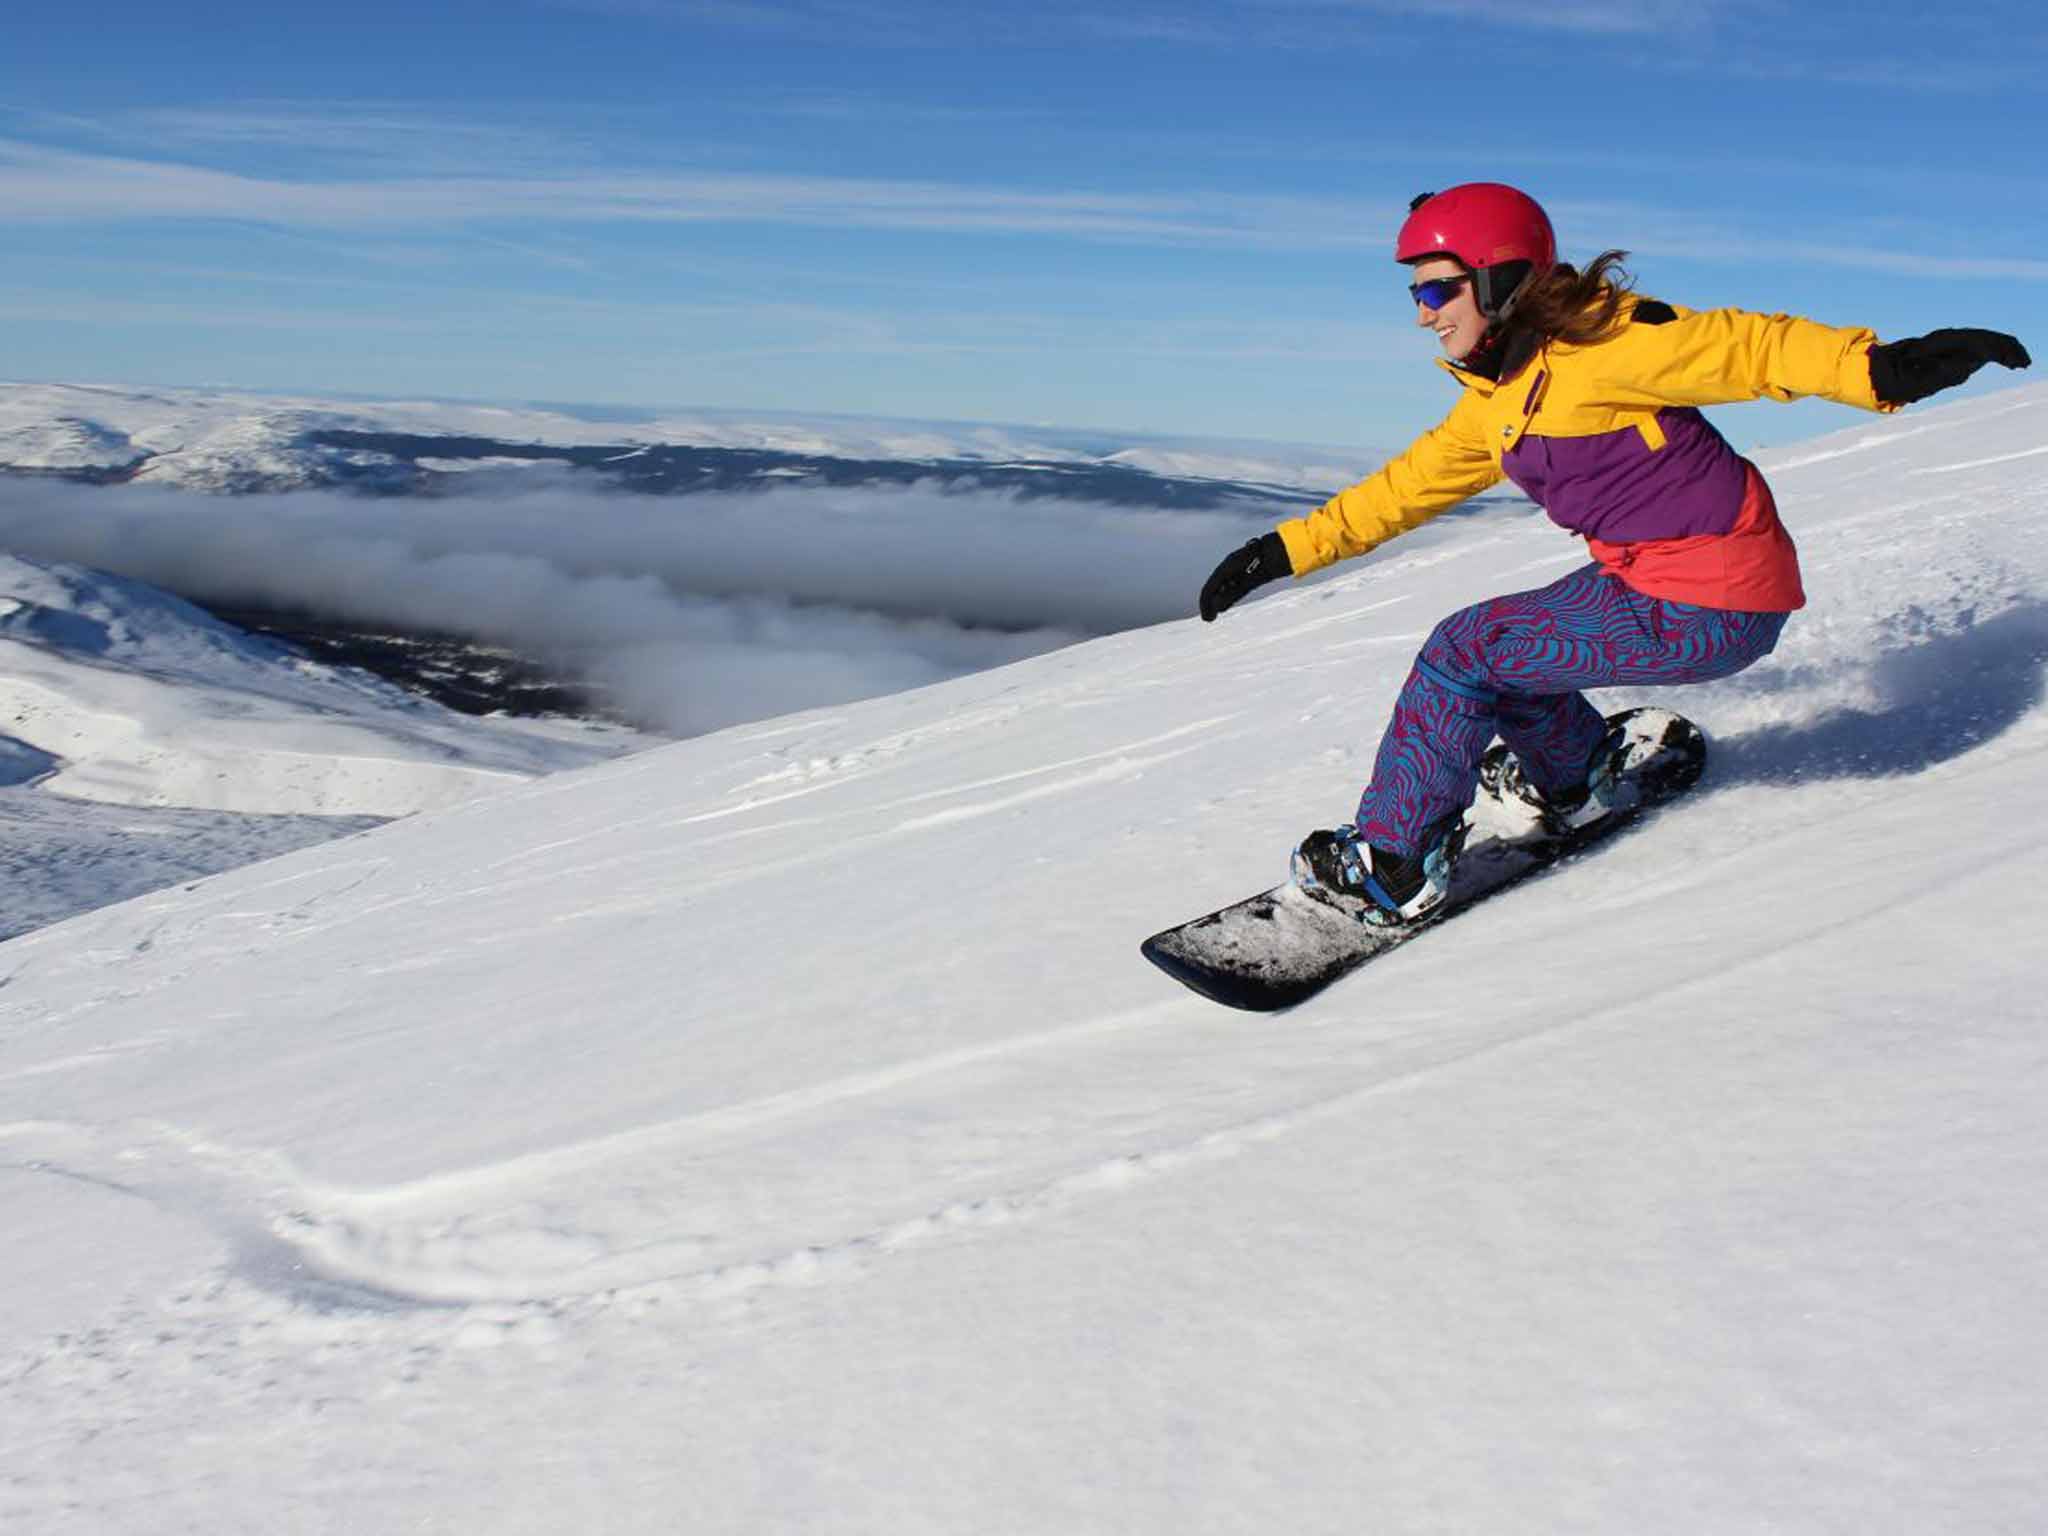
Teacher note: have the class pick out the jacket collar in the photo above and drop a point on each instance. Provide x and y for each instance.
(1517, 350)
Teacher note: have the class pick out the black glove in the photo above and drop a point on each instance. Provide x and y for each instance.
(1262, 560)
(1904, 371)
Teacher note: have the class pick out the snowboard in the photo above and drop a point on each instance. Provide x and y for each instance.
(1283, 946)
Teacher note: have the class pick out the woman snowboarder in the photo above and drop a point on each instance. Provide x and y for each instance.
(1586, 396)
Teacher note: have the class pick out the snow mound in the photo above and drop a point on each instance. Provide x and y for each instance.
(66, 443)
(779, 1130)
(257, 453)
(113, 691)
(1283, 474)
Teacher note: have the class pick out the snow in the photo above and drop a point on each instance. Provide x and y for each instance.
(489, 461)
(59, 857)
(1281, 471)
(779, 1131)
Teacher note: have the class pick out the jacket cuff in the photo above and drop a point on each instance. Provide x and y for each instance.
(1301, 548)
(1860, 365)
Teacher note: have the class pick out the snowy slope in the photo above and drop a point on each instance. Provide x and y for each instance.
(778, 1131)
(128, 695)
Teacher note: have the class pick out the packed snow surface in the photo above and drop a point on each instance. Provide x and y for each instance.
(779, 1131)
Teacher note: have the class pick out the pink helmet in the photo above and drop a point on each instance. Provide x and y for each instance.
(1482, 224)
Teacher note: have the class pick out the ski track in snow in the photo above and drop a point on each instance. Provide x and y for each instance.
(1997, 458)
(570, 1228)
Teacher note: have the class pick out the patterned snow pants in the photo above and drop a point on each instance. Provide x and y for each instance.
(1513, 666)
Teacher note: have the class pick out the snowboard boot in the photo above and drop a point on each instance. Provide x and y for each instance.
(1646, 753)
(1379, 888)
(1562, 812)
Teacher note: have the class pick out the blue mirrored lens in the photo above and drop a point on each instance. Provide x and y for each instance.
(1437, 292)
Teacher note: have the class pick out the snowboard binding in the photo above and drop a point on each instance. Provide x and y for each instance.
(1377, 887)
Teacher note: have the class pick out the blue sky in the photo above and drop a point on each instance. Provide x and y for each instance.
(1148, 217)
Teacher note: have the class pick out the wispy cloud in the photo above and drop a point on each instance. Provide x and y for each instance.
(233, 315)
(1206, 23)
(890, 21)
(760, 14)
(1897, 245)
(340, 133)
(1916, 75)
(1604, 17)
(39, 183)
(1757, 39)
(714, 332)
(42, 183)
(874, 106)
(1180, 28)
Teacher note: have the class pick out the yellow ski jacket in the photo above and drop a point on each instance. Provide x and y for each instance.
(1605, 436)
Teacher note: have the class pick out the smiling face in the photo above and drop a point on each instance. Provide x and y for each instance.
(1458, 323)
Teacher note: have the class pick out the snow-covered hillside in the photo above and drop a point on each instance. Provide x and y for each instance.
(143, 742)
(779, 1131)
(138, 698)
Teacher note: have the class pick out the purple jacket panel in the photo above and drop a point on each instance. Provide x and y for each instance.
(1614, 487)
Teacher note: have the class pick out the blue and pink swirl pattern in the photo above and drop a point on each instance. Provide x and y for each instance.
(1513, 666)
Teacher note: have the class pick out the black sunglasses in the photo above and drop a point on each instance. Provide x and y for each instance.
(1436, 292)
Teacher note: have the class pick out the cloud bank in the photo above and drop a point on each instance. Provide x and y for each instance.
(688, 613)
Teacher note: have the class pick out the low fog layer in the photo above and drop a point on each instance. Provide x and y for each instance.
(689, 613)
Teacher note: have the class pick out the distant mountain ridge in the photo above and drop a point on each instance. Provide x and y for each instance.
(391, 461)
(197, 440)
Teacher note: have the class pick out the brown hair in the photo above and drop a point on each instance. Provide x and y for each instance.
(1565, 304)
